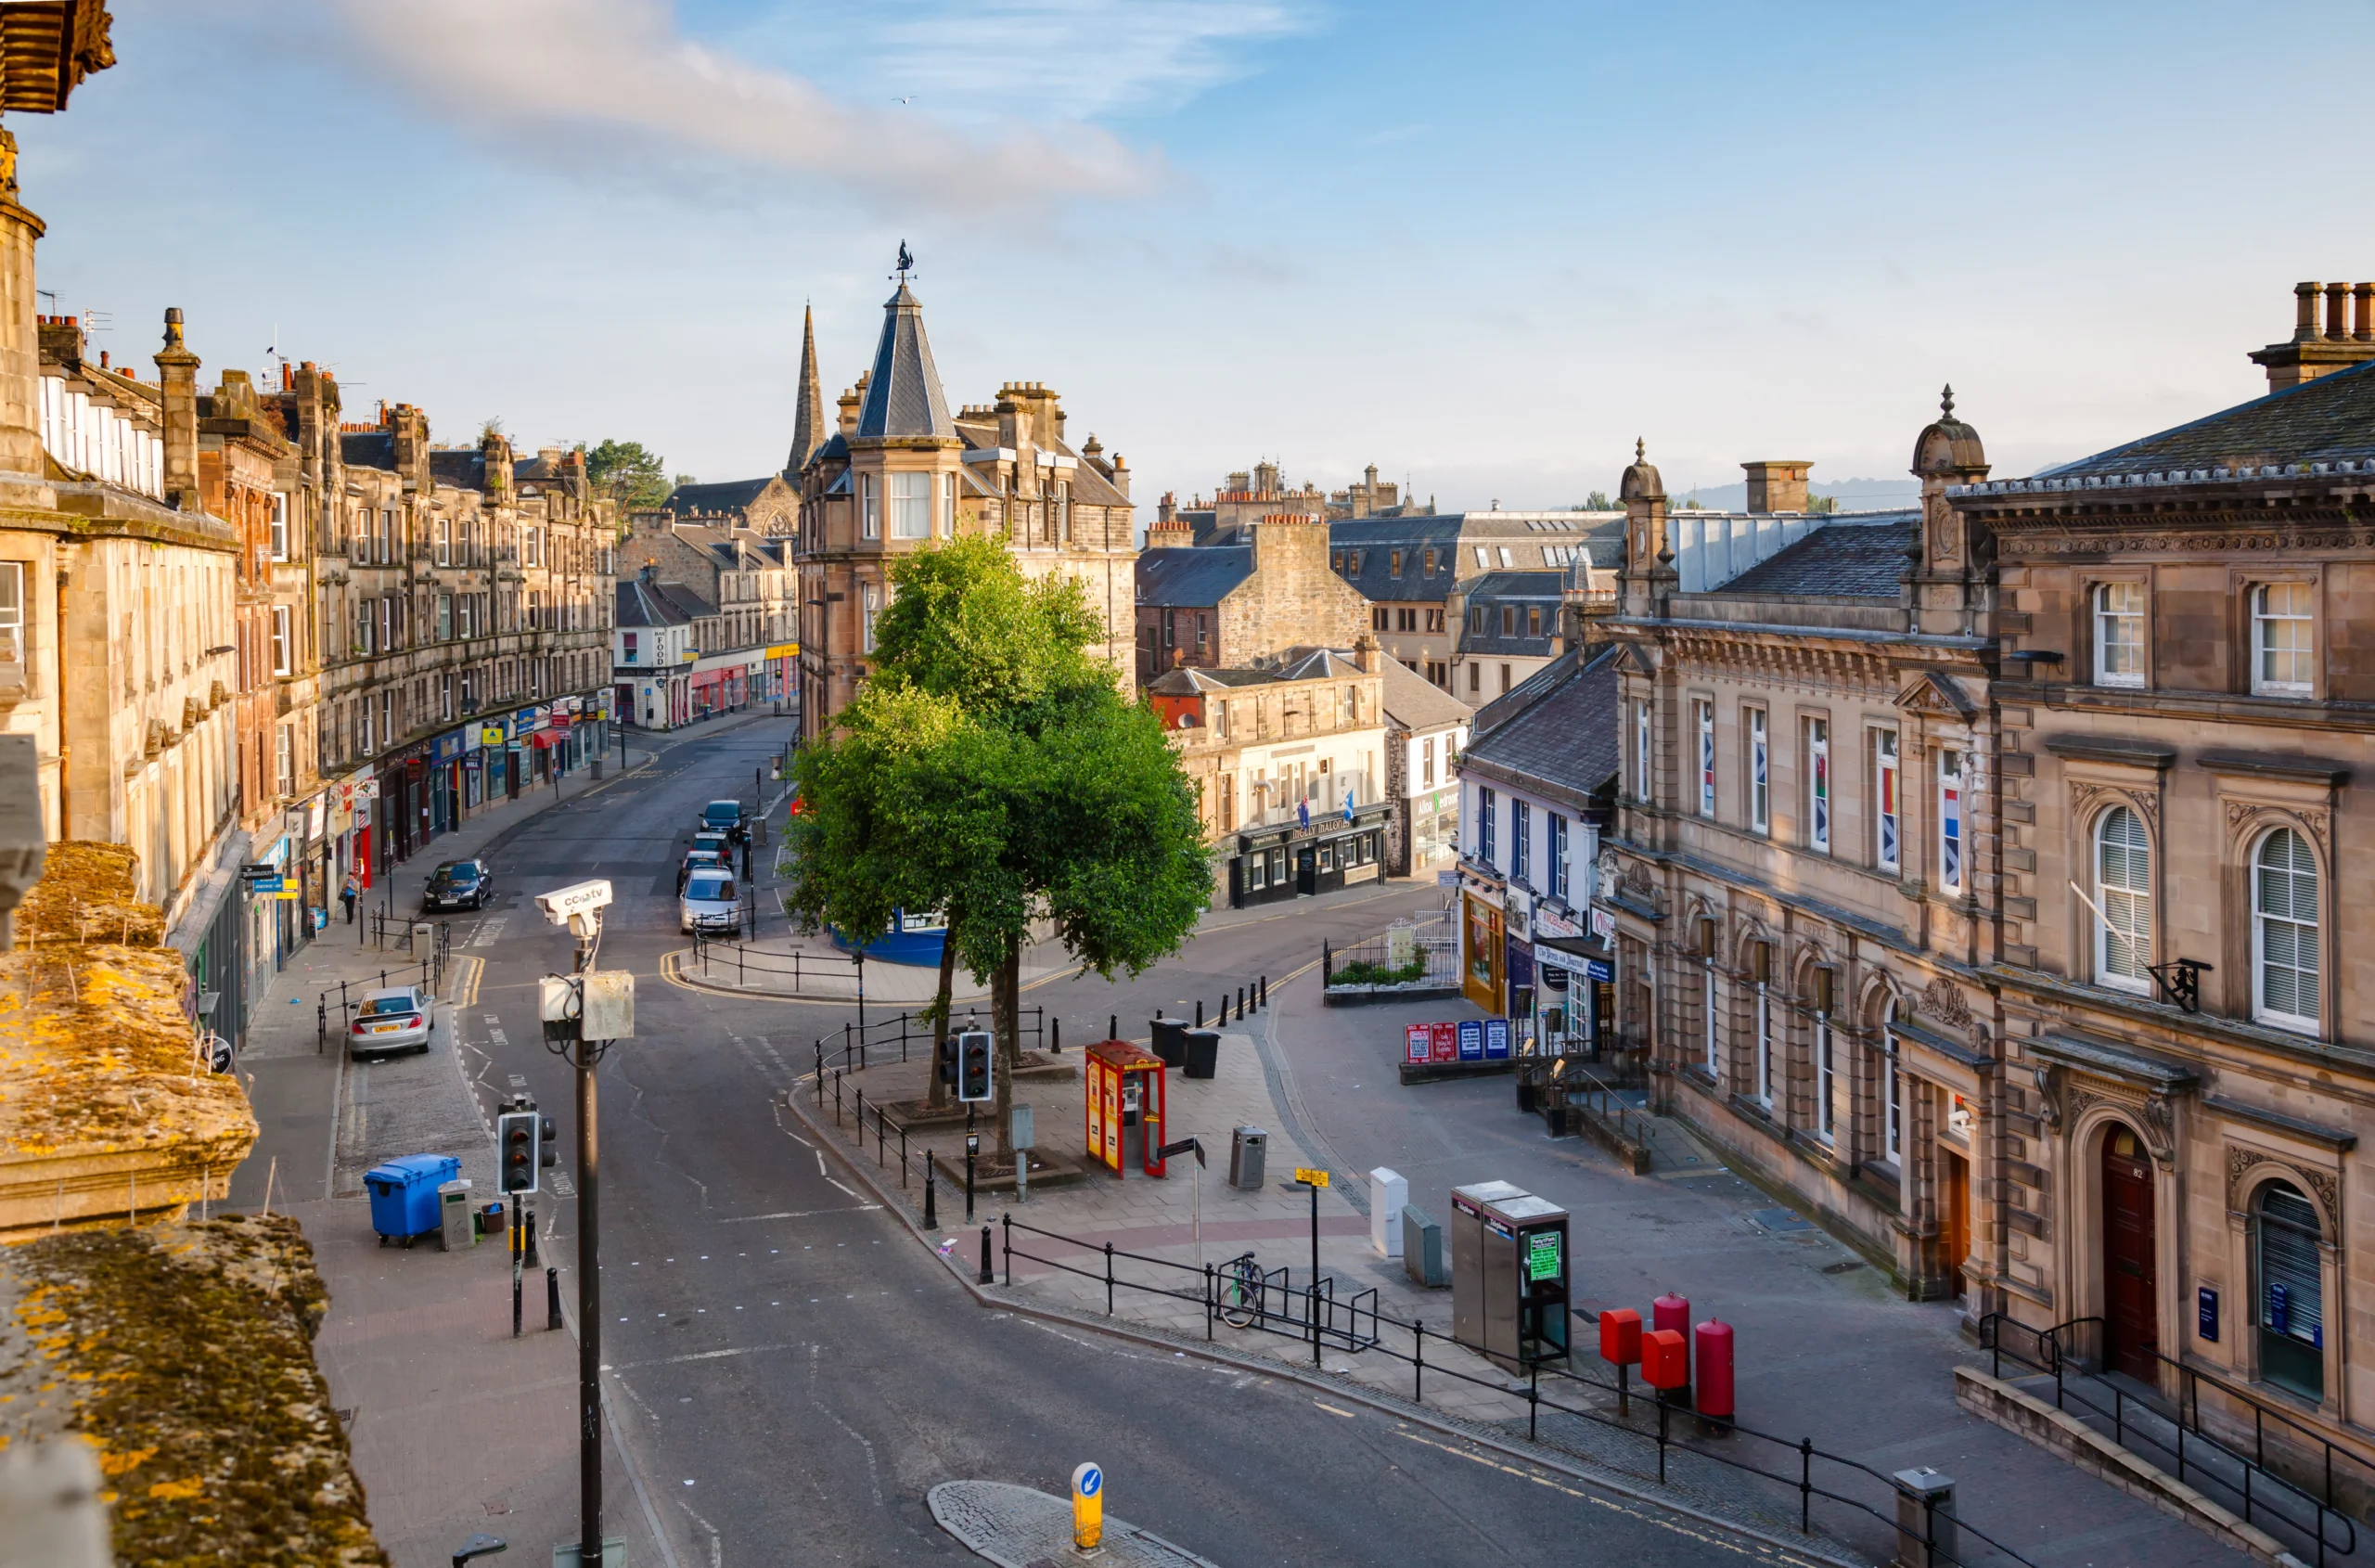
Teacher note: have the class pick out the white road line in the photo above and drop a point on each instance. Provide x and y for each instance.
(852, 1191)
(701, 1355)
(800, 1213)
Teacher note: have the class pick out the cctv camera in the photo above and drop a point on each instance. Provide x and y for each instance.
(579, 898)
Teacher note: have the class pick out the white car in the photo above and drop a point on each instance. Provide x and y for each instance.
(709, 902)
(402, 1018)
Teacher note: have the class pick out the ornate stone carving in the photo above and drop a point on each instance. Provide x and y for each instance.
(1637, 878)
(2160, 1130)
(2048, 1082)
(2244, 1168)
(1943, 1002)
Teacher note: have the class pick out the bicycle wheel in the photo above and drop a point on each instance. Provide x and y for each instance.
(1240, 1296)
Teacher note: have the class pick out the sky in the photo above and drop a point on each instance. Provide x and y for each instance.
(1484, 248)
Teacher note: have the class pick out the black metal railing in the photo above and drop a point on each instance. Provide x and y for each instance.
(1418, 955)
(347, 995)
(859, 1044)
(2170, 1423)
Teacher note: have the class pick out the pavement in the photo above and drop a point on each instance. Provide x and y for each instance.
(787, 1374)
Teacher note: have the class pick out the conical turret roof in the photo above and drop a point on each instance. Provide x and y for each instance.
(902, 396)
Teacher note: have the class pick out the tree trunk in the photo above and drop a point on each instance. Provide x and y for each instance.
(1005, 1003)
(936, 1094)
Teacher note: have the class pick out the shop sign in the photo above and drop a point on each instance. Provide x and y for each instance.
(783, 650)
(1603, 925)
(1471, 1040)
(1497, 1040)
(493, 735)
(1559, 957)
(316, 809)
(447, 747)
(1547, 923)
(1518, 905)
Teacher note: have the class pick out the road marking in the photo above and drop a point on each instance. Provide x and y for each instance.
(852, 1191)
(800, 1213)
(1334, 1411)
(701, 1355)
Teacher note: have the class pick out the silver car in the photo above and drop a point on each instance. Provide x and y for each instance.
(709, 902)
(402, 1018)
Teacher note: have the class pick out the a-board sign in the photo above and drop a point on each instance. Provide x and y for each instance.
(1471, 1039)
(1416, 1040)
(1497, 1039)
(1443, 1043)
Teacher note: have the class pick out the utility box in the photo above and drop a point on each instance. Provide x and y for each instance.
(1509, 1274)
(1422, 1247)
(1926, 1535)
(1388, 1193)
(457, 1231)
(1022, 1131)
(1247, 1146)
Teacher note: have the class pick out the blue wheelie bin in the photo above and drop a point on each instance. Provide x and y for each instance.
(403, 1195)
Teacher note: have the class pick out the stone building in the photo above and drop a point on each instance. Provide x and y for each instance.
(1802, 877)
(901, 471)
(1413, 569)
(743, 579)
(2183, 986)
(1240, 604)
(1289, 764)
(1509, 625)
(652, 654)
(1426, 730)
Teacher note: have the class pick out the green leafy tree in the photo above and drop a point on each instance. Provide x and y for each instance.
(628, 473)
(1598, 501)
(1026, 788)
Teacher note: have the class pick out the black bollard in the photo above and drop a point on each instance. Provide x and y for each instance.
(1055, 1036)
(988, 1277)
(1263, 1003)
(552, 1298)
(932, 1204)
(1199, 1012)
(1240, 1004)
(1113, 1026)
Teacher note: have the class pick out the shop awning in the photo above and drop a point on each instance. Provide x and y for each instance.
(1580, 954)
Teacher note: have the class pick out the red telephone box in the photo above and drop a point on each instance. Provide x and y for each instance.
(1125, 1103)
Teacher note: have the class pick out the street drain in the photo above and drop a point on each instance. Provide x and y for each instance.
(1845, 1265)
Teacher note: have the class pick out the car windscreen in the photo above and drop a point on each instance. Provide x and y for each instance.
(723, 813)
(717, 889)
(464, 874)
(379, 1006)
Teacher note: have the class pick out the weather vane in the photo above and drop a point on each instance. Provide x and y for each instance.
(906, 262)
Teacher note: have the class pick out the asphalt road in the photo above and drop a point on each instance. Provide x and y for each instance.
(797, 1372)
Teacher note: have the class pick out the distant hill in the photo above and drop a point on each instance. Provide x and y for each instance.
(1855, 494)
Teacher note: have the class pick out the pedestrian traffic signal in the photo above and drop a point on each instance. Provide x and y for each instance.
(974, 1065)
(547, 1145)
(948, 1060)
(516, 1144)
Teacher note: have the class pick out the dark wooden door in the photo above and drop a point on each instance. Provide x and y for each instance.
(1306, 871)
(2131, 1309)
(1955, 1229)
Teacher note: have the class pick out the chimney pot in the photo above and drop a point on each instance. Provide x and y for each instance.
(2363, 294)
(2305, 311)
(2338, 311)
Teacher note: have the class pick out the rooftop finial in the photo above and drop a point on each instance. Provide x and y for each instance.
(906, 263)
(1947, 402)
(1640, 450)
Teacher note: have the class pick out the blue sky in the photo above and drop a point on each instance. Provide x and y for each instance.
(1483, 246)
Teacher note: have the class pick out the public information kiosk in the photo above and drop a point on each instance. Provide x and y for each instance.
(1124, 1104)
(1509, 1274)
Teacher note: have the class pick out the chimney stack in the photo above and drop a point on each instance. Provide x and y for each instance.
(1778, 484)
(847, 404)
(2315, 348)
(177, 382)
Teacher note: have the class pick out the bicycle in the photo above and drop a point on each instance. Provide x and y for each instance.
(1241, 1291)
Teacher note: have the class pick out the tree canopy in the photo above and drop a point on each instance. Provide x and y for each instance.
(628, 473)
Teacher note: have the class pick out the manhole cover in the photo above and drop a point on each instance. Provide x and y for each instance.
(1781, 1219)
(1019, 1527)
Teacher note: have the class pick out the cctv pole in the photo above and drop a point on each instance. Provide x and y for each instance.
(589, 1303)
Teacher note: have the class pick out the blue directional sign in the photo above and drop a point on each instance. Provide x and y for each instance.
(1091, 1481)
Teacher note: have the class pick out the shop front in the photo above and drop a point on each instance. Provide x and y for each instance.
(1575, 995)
(780, 670)
(445, 781)
(1483, 950)
(1270, 865)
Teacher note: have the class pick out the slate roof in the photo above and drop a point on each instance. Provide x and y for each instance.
(1415, 703)
(2329, 420)
(1318, 664)
(367, 449)
(902, 396)
(1187, 680)
(1368, 561)
(1564, 741)
(1526, 589)
(1840, 560)
(727, 496)
(464, 467)
(640, 606)
(1367, 545)
(1192, 577)
(686, 599)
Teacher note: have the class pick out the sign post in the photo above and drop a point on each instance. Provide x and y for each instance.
(1317, 1180)
(1088, 1507)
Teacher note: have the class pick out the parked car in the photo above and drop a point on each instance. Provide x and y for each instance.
(458, 884)
(401, 1018)
(709, 902)
(702, 860)
(724, 817)
(709, 842)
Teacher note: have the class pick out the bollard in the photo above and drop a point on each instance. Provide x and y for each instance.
(1926, 1537)
(1113, 1026)
(1055, 1036)
(1715, 1386)
(1088, 1507)
(931, 1206)
(1240, 1004)
(988, 1277)
(1263, 1003)
(1673, 1312)
(552, 1298)
(1199, 1012)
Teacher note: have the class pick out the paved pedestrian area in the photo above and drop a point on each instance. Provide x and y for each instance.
(1022, 1527)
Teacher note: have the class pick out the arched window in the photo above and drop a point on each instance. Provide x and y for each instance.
(1892, 1122)
(2123, 892)
(2284, 932)
(2290, 1308)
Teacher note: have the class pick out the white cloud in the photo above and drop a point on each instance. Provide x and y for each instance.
(604, 80)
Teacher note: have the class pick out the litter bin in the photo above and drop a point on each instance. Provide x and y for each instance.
(1201, 1053)
(403, 1195)
(1247, 1146)
(1170, 1040)
(456, 1229)
(490, 1219)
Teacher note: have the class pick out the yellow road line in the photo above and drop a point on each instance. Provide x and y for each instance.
(465, 988)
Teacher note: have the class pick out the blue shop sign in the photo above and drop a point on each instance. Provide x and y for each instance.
(447, 747)
(1599, 968)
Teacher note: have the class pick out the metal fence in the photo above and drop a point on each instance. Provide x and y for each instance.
(1407, 953)
(347, 995)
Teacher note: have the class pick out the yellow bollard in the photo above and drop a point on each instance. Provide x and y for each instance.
(1088, 1507)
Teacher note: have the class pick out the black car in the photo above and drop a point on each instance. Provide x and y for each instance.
(459, 884)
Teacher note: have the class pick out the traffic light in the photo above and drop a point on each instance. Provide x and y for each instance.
(516, 1144)
(547, 1145)
(948, 1060)
(974, 1065)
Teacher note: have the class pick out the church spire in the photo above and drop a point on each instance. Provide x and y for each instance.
(808, 423)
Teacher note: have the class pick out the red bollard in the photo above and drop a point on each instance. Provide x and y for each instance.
(1715, 1348)
(1673, 1312)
